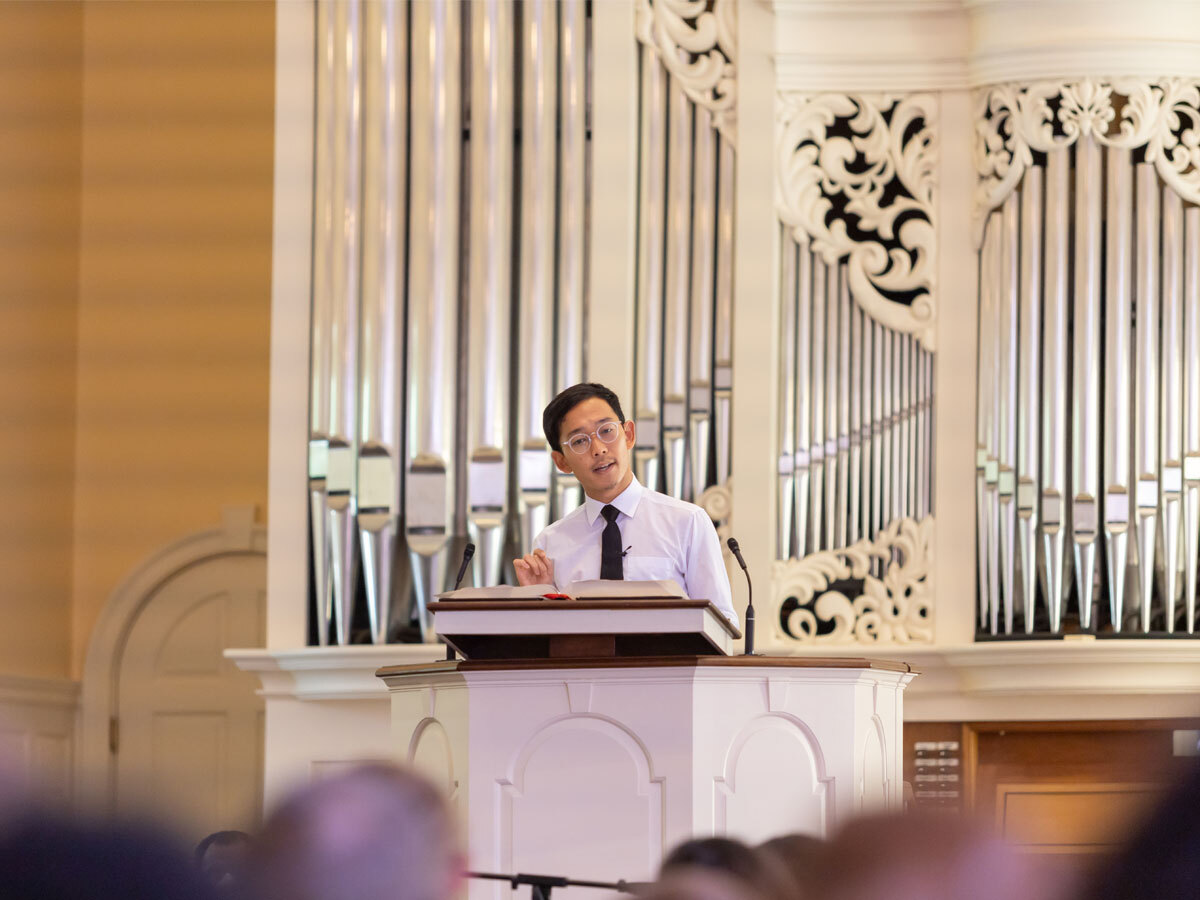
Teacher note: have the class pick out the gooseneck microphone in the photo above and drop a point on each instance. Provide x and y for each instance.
(737, 554)
(468, 552)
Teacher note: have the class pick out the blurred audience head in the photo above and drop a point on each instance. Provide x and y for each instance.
(798, 853)
(921, 856)
(221, 858)
(760, 874)
(694, 882)
(45, 858)
(377, 832)
(1162, 860)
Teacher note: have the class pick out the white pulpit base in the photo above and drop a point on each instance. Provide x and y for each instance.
(593, 769)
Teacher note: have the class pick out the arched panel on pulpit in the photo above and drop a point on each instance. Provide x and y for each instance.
(774, 782)
(430, 752)
(581, 792)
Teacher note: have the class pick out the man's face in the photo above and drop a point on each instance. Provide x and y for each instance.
(602, 469)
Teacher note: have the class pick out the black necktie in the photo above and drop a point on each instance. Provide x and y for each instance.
(610, 547)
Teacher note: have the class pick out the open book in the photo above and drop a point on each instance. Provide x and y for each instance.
(576, 590)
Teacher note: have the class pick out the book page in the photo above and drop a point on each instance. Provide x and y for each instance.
(500, 592)
(641, 590)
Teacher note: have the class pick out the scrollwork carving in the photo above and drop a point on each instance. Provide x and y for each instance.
(897, 608)
(696, 41)
(717, 501)
(855, 178)
(1013, 122)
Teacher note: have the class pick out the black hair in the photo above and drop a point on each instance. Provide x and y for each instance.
(569, 398)
(221, 839)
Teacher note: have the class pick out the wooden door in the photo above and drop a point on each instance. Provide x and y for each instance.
(188, 728)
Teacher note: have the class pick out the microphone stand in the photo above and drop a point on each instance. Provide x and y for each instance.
(468, 552)
(737, 554)
(541, 885)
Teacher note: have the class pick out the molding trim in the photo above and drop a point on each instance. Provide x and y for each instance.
(1037, 680)
(26, 691)
(329, 673)
(900, 72)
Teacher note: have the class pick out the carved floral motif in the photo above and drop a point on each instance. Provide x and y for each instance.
(897, 608)
(696, 41)
(1012, 122)
(855, 178)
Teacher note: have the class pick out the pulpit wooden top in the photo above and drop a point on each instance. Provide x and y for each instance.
(645, 662)
(589, 603)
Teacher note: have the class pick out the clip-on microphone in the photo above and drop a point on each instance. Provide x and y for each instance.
(468, 552)
(737, 554)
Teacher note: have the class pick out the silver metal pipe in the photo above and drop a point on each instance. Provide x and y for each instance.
(1008, 317)
(803, 393)
(833, 279)
(1171, 451)
(723, 325)
(703, 294)
(992, 343)
(539, 113)
(887, 461)
(985, 411)
(910, 425)
(1146, 422)
(677, 289)
(433, 298)
(900, 387)
(843, 447)
(1191, 409)
(1027, 399)
(490, 316)
(865, 422)
(322, 317)
(380, 489)
(878, 467)
(572, 219)
(1118, 388)
(651, 251)
(854, 470)
(819, 509)
(1054, 385)
(340, 503)
(789, 379)
(1085, 418)
(916, 362)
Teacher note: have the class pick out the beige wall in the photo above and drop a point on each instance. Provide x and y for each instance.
(174, 283)
(40, 88)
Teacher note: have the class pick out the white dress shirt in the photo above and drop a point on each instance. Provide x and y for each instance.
(663, 538)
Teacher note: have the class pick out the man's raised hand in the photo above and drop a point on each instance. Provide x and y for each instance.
(535, 568)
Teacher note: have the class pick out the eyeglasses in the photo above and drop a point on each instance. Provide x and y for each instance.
(608, 432)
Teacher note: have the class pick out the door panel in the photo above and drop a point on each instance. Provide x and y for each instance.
(190, 733)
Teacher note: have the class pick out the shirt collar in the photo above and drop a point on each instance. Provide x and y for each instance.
(626, 501)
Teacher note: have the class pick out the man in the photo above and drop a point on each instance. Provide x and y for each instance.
(622, 530)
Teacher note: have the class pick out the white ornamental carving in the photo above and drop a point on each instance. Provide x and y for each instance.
(1013, 121)
(696, 41)
(895, 609)
(717, 501)
(876, 156)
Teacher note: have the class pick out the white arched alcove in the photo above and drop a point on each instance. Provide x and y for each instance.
(237, 536)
